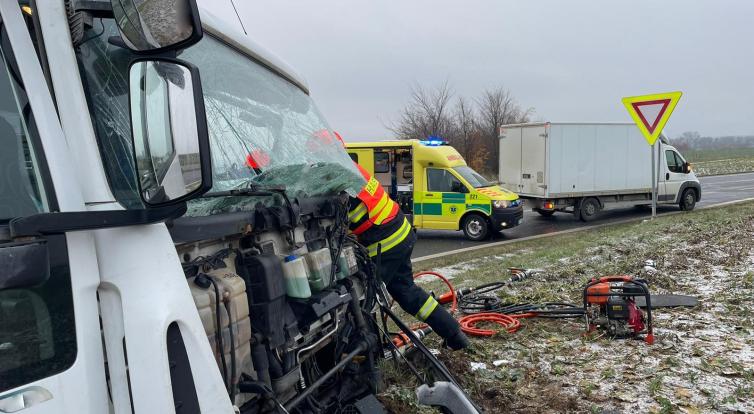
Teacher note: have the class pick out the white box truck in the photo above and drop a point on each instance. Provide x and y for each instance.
(583, 168)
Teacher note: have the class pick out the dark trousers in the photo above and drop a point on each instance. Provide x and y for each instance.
(395, 270)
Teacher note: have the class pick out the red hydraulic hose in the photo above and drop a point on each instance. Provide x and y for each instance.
(450, 296)
(510, 323)
(444, 298)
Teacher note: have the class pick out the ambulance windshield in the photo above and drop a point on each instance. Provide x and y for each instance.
(474, 178)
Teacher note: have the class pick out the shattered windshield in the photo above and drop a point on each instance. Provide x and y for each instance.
(264, 131)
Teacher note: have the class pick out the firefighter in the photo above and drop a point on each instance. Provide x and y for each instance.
(380, 225)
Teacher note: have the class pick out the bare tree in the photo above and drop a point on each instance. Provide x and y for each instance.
(466, 127)
(427, 114)
(497, 107)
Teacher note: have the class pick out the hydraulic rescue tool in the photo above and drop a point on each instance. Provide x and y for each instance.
(610, 306)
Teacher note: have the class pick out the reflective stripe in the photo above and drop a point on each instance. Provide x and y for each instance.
(426, 309)
(366, 225)
(380, 206)
(392, 240)
(385, 213)
(357, 213)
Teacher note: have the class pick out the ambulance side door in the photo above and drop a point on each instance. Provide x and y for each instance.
(443, 200)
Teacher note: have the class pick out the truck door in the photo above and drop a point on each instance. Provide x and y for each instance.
(443, 202)
(51, 357)
(510, 159)
(672, 176)
(533, 153)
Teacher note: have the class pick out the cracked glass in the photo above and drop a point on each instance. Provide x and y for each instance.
(264, 131)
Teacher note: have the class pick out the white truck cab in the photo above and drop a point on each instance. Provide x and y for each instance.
(159, 173)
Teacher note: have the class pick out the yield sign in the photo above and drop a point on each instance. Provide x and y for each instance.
(651, 112)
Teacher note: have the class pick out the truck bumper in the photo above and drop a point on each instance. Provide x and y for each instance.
(506, 218)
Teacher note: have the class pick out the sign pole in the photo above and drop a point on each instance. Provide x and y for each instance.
(651, 113)
(654, 181)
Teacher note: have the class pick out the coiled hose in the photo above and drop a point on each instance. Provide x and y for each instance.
(481, 306)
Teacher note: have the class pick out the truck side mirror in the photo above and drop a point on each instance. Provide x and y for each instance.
(153, 26)
(687, 167)
(24, 264)
(169, 131)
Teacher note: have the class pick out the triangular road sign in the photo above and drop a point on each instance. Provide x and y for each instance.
(651, 112)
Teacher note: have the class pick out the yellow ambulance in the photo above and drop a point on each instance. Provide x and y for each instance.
(433, 185)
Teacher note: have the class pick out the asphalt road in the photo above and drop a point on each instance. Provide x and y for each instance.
(715, 190)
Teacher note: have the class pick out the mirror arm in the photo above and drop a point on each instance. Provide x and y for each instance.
(57, 223)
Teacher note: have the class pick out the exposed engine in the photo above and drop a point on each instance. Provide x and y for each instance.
(304, 341)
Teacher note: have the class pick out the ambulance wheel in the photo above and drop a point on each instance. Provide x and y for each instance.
(588, 209)
(476, 227)
(688, 200)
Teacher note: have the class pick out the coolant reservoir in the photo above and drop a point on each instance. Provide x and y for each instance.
(296, 281)
(320, 266)
(346, 263)
(235, 325)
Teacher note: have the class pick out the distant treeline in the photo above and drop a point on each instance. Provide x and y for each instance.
(471, 126)
(694, 141)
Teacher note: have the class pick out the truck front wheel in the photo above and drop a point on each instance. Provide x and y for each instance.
(688, 200)
(588, 209)
(476, 227)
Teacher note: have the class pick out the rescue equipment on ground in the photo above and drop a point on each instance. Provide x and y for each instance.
(610, 306)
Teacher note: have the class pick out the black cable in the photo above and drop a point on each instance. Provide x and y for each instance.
(94, 35)
(482, 299)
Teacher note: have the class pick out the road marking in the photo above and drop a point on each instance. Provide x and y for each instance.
(735, 181)
(574, 230)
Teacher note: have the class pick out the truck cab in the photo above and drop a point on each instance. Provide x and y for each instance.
(155, 203)
(677, 182)
(433, 184)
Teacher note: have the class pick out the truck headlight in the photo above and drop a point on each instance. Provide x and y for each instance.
(501, 203)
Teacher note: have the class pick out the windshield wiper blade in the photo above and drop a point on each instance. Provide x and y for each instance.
(252, 190)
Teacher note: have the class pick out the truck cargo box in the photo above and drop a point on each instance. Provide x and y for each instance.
(551, 160)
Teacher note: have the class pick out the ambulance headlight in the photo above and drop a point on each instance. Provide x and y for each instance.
(501, 203)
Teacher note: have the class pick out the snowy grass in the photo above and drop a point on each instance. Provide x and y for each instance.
(702, 360)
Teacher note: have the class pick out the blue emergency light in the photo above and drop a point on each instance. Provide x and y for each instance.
(433, 141)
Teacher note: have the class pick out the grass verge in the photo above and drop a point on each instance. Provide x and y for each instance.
(703, 360)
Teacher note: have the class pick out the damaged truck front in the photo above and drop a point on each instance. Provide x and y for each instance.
(172, 216)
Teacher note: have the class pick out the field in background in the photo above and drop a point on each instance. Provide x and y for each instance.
(702, 360)
(721, 161)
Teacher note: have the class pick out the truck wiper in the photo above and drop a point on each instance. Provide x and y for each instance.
(251, 190)
(259, 190)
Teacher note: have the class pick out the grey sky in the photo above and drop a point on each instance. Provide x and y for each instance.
(569, 60)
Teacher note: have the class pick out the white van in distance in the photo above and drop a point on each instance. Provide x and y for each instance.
(582, 168)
